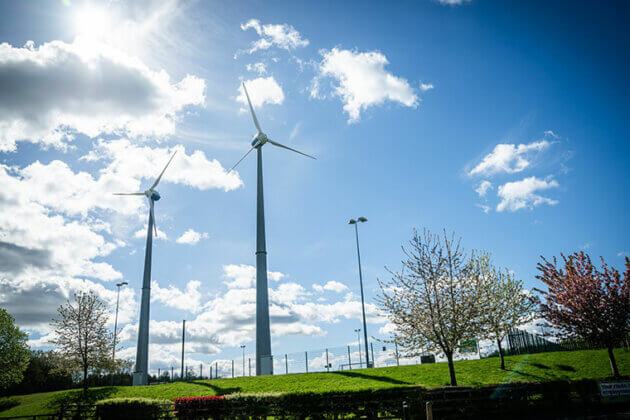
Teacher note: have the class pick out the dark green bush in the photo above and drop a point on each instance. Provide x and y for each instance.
(6, 403)
(503, 401)
(131, 408)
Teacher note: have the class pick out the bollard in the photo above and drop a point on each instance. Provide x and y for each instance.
(405, 411)
(429, 410)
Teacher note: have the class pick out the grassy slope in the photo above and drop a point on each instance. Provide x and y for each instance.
(528, 368)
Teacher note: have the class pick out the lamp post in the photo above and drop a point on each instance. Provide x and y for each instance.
(243, 348)
(356, 231)
(118, 285)
(358, 331)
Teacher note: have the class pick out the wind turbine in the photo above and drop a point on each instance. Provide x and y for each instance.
(140, 375)
(264, 362)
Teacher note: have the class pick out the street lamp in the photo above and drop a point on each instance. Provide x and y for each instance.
(243, 348)
(356, 231)
(358, 331)
(118, 285)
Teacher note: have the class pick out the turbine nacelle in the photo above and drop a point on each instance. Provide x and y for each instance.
(259, 139)
(152, 195)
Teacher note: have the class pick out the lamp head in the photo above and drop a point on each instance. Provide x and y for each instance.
(352, 222)
(124, 283)
(362, 219)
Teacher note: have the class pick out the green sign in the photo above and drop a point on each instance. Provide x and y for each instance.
(468, 346)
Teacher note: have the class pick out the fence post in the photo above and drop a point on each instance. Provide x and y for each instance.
(397, 359)
(232, 368)
(429, 410)
(405, 413)
(349, 359)
(286, 363)
(306, 359)
(327, 364)
(249, 362)
(372, 349)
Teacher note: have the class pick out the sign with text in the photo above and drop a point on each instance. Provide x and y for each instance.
(615, 391)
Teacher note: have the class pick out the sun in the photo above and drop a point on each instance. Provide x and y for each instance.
(92, 23)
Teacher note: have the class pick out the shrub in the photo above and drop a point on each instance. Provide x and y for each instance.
(503, 401)
(6, 403)
(130, 408)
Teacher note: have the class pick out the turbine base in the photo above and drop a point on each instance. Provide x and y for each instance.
(140, 378)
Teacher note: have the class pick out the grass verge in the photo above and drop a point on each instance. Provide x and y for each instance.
(542, 367)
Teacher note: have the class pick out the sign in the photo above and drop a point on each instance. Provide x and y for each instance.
(614, 391)
(468, 346)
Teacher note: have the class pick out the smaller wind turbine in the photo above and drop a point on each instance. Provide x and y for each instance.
(140, 376)
(264, 360)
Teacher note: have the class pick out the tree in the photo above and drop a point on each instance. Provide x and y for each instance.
(582, 301)
(82, 341)
(507, 305)
(434, 302)
(14, 351)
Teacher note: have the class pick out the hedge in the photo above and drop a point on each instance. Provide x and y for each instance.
(502, 401)
(132, 408)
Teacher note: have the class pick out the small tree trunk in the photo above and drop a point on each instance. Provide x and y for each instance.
(451, 368)
(613, 362)
(85, 384)
(501, 354)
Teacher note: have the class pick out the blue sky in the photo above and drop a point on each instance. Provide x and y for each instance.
(502, 121)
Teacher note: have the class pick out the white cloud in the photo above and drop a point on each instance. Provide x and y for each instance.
(282, 36)
(426, 86)
(508, 158)
(133, 163)
(485, 208)
(521, 194)
(142, 234)
(332, 285)
(186, 300)
(259, 68)
(58, 89)
(362, 81)
(623, 253)
(454, 2)
(191, 237)
(243, 276)
(261, 91)
(483, 188)
(551, 134)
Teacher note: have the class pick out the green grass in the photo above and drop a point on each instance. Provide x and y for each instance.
(590, 364)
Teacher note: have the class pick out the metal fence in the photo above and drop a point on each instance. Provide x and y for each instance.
(353, 357)
(322, 360)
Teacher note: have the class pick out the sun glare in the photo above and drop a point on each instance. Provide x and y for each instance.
(92, 23)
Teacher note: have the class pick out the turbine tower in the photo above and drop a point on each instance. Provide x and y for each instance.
(140, 375)
(264, 362)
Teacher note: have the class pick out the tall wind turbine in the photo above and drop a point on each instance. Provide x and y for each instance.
(140, 375)
(264, 362)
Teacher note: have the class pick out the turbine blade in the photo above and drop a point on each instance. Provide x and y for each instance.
(288, 148)
(138, 193)
(251, 108)
(239, 161)
(153, 217)
(162, 173)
